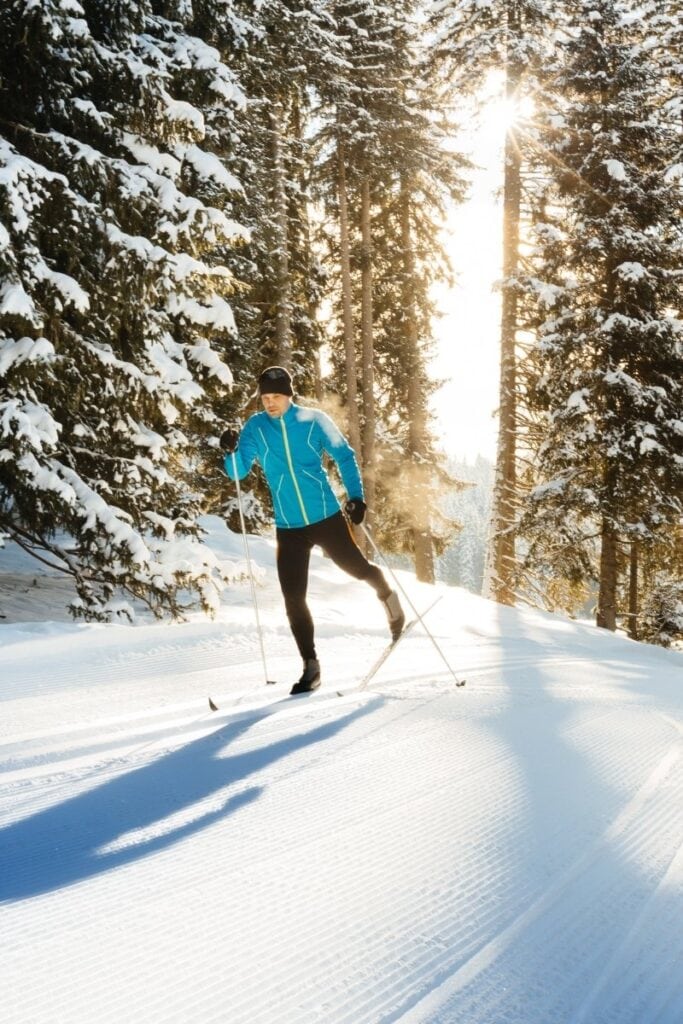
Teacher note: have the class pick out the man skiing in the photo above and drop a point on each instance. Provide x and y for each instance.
(289, 442)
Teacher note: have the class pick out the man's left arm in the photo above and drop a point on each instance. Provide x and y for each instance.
(336, 445)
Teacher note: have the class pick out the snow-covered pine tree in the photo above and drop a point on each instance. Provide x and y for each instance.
(111, 295)
(608, 366)
(291, 46)
(655, 590)
(384, 177)
(342, 125)
(463, 561)
(425, 177)
(360, 104)
(471, 40)
(661, 609)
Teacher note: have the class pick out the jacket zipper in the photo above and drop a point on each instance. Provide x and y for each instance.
(291, 469)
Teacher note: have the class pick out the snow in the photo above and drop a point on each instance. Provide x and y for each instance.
(78, 27)
(541, 491)
(161, 163)
(511, 851)
(229, 92)
(546, 293)
(28, 420)
(208, 166)
(203, 354)
(20, 178)
(577, 400)
(33, 350)
(616, 170)
(46, 478)
(68, 288)
(648, 444)
(183, 112)
(214, 312)
(88, 108)
(14, 301)
(632, 271)
(143, 437)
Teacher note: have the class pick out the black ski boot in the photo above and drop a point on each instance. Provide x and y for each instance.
(395, 615)
(310, 678)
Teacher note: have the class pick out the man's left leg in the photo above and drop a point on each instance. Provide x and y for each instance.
(335, 538)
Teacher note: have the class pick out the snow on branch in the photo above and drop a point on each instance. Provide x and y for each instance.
(15, 352)
(23, 420)
(616, 170)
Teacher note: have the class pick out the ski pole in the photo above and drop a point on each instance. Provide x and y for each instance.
(458, 682)
(250, 571)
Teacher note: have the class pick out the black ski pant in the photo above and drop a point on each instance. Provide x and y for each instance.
(294, 547)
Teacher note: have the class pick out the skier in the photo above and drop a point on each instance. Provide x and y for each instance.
(289, 442)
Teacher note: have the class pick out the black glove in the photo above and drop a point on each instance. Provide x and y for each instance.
(230, 439)
(355, 509)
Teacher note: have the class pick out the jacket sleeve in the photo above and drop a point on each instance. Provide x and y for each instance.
(245, 453)
(336, 445)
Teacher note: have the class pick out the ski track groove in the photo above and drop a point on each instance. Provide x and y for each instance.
(233, 711)
(450, 897)
(389, 921)
(499, 968)
(277, 723)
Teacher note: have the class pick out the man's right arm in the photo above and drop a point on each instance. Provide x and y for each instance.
(244, 454)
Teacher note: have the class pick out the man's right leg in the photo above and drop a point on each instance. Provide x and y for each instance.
(293, 557)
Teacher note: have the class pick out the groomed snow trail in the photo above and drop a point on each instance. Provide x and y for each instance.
(510, 852)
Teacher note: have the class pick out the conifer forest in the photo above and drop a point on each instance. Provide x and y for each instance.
(192, 190)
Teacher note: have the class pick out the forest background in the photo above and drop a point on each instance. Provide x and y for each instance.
(191, 190)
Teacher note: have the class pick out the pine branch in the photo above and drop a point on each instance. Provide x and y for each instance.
(27, 545)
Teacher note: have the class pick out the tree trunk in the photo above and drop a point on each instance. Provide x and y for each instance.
(347, 307)
(318, 382)
(501, 568)
(310, 339)
(423, 545)
(283, 340)
(368, 350)
(633, 591)
(607, 595)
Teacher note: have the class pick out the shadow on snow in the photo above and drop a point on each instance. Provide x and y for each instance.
(67, 843)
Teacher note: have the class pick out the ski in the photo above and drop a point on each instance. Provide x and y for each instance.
(369, 675)
(216, 707)
(320, 695)
(391, 646)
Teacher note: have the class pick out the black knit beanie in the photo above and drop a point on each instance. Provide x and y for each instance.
(275, 381)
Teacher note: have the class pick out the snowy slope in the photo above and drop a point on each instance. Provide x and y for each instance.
(510, 852)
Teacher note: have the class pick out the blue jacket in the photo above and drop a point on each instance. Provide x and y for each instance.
(290, 451)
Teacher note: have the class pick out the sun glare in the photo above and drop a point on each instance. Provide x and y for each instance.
(468, 352)
(467, 357)
(508, 111)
